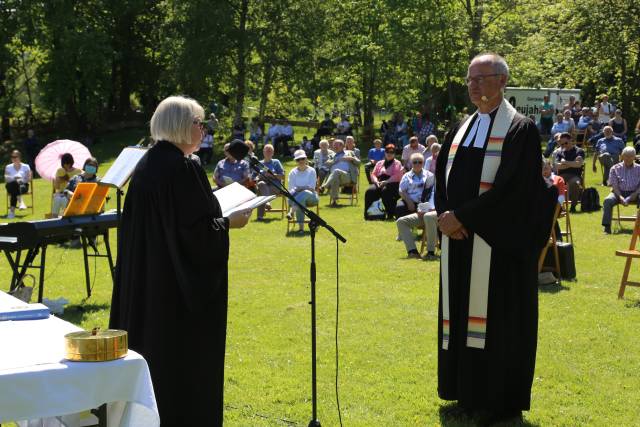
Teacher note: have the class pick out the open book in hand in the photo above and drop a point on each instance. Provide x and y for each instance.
(235, 197)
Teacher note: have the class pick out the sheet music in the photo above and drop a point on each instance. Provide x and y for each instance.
(122, 169)
(235, 197)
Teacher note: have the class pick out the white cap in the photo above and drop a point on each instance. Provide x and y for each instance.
(299, 154)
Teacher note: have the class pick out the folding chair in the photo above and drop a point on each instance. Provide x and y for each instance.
(292, 222)
(629, 254)
(352, 194)
(565, 213)
(283, 205)
(551, 243)
(24, 196)
(624, 218)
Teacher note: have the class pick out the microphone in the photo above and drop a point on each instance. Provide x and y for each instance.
(484, 98)
(238, 149)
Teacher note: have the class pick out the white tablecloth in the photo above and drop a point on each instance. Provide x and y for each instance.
(38, 384)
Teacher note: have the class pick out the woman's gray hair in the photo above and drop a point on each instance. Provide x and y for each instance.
(173, 119)
(629, 150)
(499, 64)
(416, 156)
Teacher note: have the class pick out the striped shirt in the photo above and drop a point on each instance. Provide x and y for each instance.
(623, 178)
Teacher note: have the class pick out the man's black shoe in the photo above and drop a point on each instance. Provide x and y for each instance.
(607, 229)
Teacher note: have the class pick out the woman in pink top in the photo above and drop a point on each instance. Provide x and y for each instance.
(385, 180)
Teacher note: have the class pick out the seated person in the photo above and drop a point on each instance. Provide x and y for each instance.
(276, 171)
(89, 174)
(624, 178)
(430, 163)
(429, 141)
(609, 149)
(205, 151)
(619, 125)
(344, 127)
(385, 181)
(569, 160)
(326, 127)
(17, 176)
(320, 158)
(350, 144)
(302, 185)
(585, 124)
(553, 179)
(281, 142)
(229, 170)
(307, 146)
(552, 145)
(255, 131)
(273, 132)
(568, 120)
(426, 216)
(414, 186)
(374, 156)
(413, 147)
(343, 170)
(63, 176)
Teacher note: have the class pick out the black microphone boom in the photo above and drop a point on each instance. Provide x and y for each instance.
(238, 149)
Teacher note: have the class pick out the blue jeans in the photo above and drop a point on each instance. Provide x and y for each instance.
(305, 198)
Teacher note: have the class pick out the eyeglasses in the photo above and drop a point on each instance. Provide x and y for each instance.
(15, 157)
(302, 159)
(389, 151)
(198, 123)
(417, 162)
(479, 79)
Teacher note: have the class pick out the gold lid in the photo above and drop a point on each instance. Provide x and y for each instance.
(96, 346)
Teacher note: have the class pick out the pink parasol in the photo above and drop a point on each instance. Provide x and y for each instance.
(48, 160)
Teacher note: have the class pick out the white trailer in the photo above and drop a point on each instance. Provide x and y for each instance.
(528, 100)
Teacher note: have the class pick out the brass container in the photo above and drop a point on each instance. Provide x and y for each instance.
(96, 346)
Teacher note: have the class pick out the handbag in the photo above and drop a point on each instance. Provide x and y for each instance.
(376, 210)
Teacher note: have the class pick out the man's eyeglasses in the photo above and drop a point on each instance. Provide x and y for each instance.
(479, 79)
(417, 162)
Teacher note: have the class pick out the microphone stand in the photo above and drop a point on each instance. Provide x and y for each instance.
(315, 221)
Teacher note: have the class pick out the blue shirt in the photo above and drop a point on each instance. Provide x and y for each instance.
(613, 146)
(233, 172)
(584, 122)
(376, 154)
(560, 127)
(274, 166)
(413, 185)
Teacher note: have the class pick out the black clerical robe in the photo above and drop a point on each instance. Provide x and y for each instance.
(508, 217)
(170, 289)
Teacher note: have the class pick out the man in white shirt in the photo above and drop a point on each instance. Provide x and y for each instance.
(343, 170)
(17, 176)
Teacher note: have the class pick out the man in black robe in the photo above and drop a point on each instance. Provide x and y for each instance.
(170, 290)
(493, 377)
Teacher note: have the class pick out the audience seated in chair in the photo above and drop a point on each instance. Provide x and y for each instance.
(350, 145)
(619, 126)
(275, 171)
(343, 170)
(17, 176)
(550, 179)
(62, 179)
(608, 150)
(89, 174)
(425, 216)
(585, 124)
(229, 170)
(375, 155)
(624, 178)
(413, 147)
(414, 186)
(320, 158)
(569, 162)
(430, 162)
(302, 185)
(385, 181)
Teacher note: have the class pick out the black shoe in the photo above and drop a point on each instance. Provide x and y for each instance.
(572, 209)
(607, 229)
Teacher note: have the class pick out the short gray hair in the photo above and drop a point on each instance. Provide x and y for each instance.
(173, 119)
(416, 156)
(629, 150)
(323, 143)
(499, 64)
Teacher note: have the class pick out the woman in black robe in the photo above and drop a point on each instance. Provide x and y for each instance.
(170, 290)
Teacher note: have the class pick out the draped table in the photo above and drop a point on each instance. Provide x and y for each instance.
(38, 387)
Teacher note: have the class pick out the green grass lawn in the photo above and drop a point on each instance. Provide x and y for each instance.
(588, 360)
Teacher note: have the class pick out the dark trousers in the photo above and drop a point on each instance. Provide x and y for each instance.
(205, 154)
(402, 209)
(368, 168)
(281, 144)
(388, 194)
(14, 190)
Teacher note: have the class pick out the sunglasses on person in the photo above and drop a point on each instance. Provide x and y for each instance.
(417, 162)
(302, 159)
(198, 123)
(389, 151)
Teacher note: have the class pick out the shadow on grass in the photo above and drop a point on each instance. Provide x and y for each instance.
(632, 304)
(76, 313)
(268, 220)
(453, 415)
(625, 231)
(553, 288)
(296, 233)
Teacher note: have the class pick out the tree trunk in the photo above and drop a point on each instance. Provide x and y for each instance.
(475, 15)
(368, 93)
(241, 61)
(267, 80)
(27, 83)
(6, 128)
